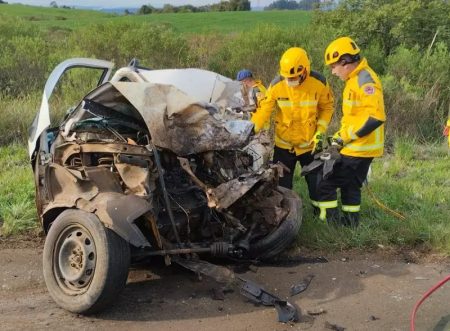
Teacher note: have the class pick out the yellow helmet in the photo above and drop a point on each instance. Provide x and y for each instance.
(339, 47)
(294, 62)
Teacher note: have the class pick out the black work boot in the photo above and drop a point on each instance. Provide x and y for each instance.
(333, 216)
(350, 219)
(316, 211)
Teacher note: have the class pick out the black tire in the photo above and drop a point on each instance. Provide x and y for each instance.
(277, 241)
(85, 264)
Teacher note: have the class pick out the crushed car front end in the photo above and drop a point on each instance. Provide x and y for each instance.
(164, 160)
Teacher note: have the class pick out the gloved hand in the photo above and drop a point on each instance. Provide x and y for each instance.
(337, 141)
(317, 142)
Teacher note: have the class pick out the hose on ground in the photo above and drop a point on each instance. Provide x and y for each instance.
(426, 295)
(382, 206)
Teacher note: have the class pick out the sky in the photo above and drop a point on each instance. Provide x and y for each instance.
(128, 3)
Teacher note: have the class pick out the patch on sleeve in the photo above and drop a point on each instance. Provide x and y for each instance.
(369, 90)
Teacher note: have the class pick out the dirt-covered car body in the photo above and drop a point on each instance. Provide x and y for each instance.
(157, 161)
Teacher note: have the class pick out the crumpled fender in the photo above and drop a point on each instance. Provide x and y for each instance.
(117, 212)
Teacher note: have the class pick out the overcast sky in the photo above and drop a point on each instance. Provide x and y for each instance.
(129, 3)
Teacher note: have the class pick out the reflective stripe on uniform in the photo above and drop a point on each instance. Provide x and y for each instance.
(328, 204)
(351, 103)
(284, 103)
(308, 103)
(315, 203)
(352, 209)
(351, 134)
(364, 148)
(324, 205)
(369, 147)
(288, 103)
(279, 140)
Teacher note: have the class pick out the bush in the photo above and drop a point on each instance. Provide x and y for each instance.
(157, 46)
(23, 57)
(260, 50)
(390, 23)
(417, 91)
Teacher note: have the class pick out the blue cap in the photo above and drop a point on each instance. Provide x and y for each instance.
(243, 74)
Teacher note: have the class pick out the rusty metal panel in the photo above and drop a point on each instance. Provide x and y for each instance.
(135, 178)
(118, 212)
(65, 189)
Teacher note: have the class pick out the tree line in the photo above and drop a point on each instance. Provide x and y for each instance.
(294, 5)
(231, 5)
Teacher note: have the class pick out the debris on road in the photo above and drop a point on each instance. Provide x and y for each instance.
(318, 311)
(287, 312)
(333, 327)
(218, 294)
(302, 286)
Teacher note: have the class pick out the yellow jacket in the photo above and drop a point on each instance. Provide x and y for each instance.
(258, 92)
(362, 98)
(448, 130)
(303, 110)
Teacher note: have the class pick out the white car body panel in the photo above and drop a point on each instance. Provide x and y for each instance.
(42, 120)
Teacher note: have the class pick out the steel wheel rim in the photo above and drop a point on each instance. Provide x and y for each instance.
(75, 259)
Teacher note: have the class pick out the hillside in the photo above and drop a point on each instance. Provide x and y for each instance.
(223, 22)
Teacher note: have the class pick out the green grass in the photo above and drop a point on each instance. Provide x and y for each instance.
(16, 116)
(221, 22)
(17, 208)
(412, 181)
(45, 15)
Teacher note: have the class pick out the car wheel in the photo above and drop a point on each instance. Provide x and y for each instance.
(279, 239)
(85, 264)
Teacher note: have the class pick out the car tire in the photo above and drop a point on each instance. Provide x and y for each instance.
(283, 236)
(85, 264)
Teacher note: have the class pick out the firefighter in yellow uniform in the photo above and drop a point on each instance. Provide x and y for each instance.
(305, 107)
(254, 89)
(447, 130)
(361, 134)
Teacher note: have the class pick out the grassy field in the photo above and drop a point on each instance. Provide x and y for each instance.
(47, 14)
(221, 22)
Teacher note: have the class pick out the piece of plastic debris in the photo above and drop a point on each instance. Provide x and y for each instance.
(302, 286)
(318, 311)
(334, 327)
(287, 312)
(217, 294)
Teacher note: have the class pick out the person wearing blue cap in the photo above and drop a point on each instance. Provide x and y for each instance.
(254, 90)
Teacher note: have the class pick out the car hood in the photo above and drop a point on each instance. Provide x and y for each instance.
(175, 120)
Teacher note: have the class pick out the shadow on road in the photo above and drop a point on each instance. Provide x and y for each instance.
(157, 293)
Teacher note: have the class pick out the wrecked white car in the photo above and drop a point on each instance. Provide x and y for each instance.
(151, 163)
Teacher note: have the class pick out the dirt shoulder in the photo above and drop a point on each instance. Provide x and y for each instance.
(356, 291)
